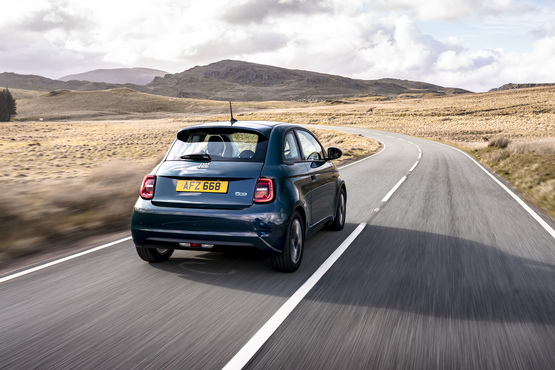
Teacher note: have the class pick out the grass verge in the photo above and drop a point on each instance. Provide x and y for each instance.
(529, 167)
(45, 215)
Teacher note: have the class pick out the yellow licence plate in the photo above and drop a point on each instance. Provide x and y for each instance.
(202, 186)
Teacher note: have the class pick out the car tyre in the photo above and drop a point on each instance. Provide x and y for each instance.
(154, 254)
(340, 212)
(290, 259)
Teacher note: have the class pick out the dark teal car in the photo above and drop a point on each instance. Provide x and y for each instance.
(268, 185)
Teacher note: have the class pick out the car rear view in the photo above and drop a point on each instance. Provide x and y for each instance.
(267, 185)
(208, 192)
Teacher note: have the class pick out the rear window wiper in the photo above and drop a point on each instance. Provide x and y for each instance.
(197, 156)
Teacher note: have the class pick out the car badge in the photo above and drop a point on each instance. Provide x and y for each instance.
(240, 194)
(204, 165)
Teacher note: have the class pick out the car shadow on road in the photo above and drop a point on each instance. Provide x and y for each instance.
(444, 276)
(406, 270)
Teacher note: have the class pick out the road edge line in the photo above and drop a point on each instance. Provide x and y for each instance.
(40, 267)
(521, 202)
(363, 159)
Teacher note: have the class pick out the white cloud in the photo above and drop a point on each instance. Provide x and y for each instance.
(257, 11)
(537, 65)
(352, 38)
(451, 10)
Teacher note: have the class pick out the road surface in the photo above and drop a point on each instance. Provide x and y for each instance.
(445, 270)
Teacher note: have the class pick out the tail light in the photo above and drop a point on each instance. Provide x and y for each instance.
(147, 189)
(264, 191)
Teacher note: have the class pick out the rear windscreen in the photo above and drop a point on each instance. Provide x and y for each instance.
(223, 144)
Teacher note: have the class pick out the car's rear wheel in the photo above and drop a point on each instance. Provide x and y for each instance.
(340, 212)
(154, 254)
(290, 259)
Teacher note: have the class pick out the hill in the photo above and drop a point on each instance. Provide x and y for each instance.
(39, 83)
(512, 86)
(29, 82)
(137, 76)
(119, 103)
(124, 104)
(243, 81)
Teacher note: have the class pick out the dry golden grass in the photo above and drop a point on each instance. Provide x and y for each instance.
(542, 146)
(516, 114)
(42, 151)
(40, 214)
(532, 173)
(352, 146)
(63, 150)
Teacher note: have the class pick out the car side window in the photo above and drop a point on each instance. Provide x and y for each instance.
(312, 150)
(290, 148)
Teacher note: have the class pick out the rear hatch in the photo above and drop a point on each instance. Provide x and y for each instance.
(206, 184)
(212, 166)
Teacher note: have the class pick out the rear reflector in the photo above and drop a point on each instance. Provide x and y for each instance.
(147, 189)
(264, 191)
(197, 245)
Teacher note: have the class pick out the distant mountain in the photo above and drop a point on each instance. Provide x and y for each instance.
(137, 76)
(236, 80)
(512, 86)
(29, 82)
(33, 82)
(243, 81)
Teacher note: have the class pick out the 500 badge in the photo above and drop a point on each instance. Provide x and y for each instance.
(202, 186)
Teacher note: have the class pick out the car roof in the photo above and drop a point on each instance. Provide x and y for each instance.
(264, 127)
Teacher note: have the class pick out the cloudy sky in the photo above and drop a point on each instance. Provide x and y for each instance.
(472, 44)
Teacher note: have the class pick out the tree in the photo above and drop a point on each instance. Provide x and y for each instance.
(7, 106)
(4, 115)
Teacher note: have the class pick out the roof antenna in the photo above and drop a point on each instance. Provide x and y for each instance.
(232, 120)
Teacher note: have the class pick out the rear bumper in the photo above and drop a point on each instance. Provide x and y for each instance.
(261, 225)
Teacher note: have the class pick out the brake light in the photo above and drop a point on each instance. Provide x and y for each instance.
(264, 191)
(147, 189)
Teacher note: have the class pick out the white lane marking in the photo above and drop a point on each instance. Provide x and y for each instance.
(37, 268)
(413, 167)
(386, 198)
(363, 159)
(532, 213)
(419, 156)
(246, 353)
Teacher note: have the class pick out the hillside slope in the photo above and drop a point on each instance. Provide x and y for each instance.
(120, 103)
(243, 81)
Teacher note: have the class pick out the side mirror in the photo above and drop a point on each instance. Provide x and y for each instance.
(334, 153)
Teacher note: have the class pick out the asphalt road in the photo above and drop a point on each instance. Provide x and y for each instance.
(448, 272)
